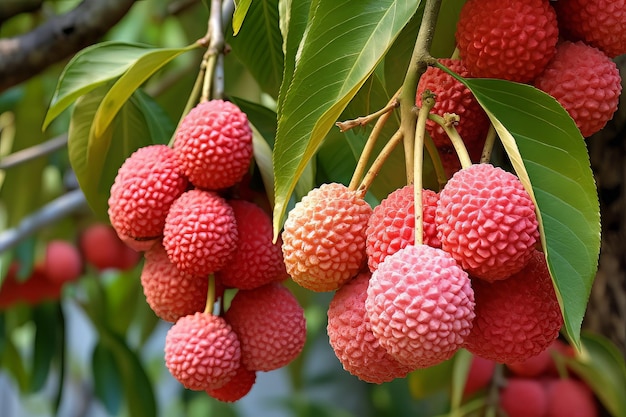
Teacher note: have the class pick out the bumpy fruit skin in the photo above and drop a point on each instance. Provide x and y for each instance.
(200, 233)
(350, 335)
(599, 23)
(533, 366)
(479, 375)
(391, 226)
(324, 237)
(145, 186)
(170, 293)
(570, 398)
(421, 305)
(257, 261)
(516, 318)
(524, 398)
(213, 144)
(453, 97)
(202, 351)
(486, 221)
(102, 248)
(236, 388)
(586, 82)
(63, 262)
(507, 39)
(270, 324)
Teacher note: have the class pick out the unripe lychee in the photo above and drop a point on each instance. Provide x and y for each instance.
(522, 397)
(170, 293)
(421, 305)
(213, 144)
(516, 318)
(236, 388)
(63, 262)
(270, 324)
(486, 221)
(257, 261)
(324, 237)
(586, 82)
(570, 398)
(392, 224)
(145, 186)
(479, 375)
(200, 233)
(453, 97)
(599, 23)
(507, 39)
(350, 335)
(103, 249)
(202, 351)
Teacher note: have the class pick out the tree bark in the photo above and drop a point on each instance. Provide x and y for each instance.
(24, 56)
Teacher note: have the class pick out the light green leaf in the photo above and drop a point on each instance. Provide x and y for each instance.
(241, 9)
(259, 45)
(549, 156)
(343, 44)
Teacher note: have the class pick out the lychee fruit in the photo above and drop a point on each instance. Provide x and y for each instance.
(35, 289)
(102, 248)
(270, 324)
(523, 397)
(533, 366)
(392, 224)
(170, 293)
(62, 262)
(236, 388)
(453, 97)
(570, 398)
(324, 237)
(516, 318)
(213, 144)
(421, 305)
(350, 335)
(599, 23)
(479, 375)
(507, 39)
(486, 220)
(585, 82)
(202, 351)
(145, 186)
(200, 233)
(257, 260)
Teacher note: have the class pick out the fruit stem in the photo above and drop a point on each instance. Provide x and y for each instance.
(428, 101)
(420, 59)
(213, 86)
(447, 123)
(210, 295)
(371, 140)
(440, 171)
(364, 120)
(374, 169)
(498, 381)
(490, 140)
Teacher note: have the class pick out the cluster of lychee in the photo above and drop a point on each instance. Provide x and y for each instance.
(478, 280)
(564, 48)
(178, 205)
(541, 386)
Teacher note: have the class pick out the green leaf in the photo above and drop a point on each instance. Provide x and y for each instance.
(45, 320)
(90, 68)
(549, 156)
(259, 45)
(107, 378)
(241, 9)
(96, 160)
(138, 72)
(602, 367)
(342, 45)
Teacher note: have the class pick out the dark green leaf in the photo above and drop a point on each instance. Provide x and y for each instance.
(107, 378)
(241, 9)
(12, 361)
(344, 43)
(45, 320)
(160, 125)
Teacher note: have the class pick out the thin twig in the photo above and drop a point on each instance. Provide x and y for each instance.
(440, 171)
(365, 120)
(428, 101)
(33, 152)
(488, 146)
(379, 161)
(447, 123)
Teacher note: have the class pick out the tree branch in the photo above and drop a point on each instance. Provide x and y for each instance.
(61, 36)
(9, 9)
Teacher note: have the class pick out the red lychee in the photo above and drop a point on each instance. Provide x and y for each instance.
(62, 262)
(392, 224)
(213, 144)
(533, 366)
(257, 261)
(270, 324)
(145, 186)
(33, 290)
(479, 375)
(200, 233)
(170, 293)
(516, 318)
(324, 237)
(586, 83)
(507, 39)
(103, 248)
(202, 351)
(421, 305)
(599, 23)
(486, 221)
(570, 398)
(453, 97)
(524, 398)
(236, 388)
(350, 335)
